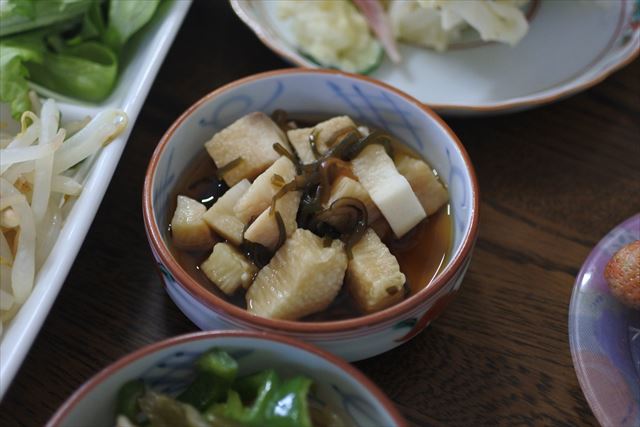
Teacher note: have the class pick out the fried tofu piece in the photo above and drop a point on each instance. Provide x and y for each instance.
(258, 196)
(348, 187)
(388, 189)
(221, 217)
(251, 138)
(264, 229)
(373, 277)
(424, 182)
(382, 228)
(302, 278)
(188, 229)
(228, 268)
(299, 138)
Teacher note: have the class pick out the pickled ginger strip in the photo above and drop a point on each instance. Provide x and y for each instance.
(379, 22)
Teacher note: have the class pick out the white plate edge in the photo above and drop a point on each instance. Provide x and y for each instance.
(596, 73)
(15, 344)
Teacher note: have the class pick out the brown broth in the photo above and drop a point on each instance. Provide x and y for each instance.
(422, 253)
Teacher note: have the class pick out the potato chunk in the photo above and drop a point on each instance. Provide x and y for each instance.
(258, 196)
(228, 268)
(221, 217)
(188, 229)
(373, 276)
(302, 278)
(250, 137)
(348, 187)
(389, 190)
(264, 229)
(424, 182)
(299, 138)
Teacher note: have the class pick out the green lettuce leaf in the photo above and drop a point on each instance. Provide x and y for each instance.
(126, 17)
(70, 47)
(87, 71)
(22, 15)
(17, 8)
(14, 87)
(93, 26)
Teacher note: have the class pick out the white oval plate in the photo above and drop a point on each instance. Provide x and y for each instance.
(142, 63)
(571, 45)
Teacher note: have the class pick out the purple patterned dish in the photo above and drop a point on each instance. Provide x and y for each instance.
(604, 336)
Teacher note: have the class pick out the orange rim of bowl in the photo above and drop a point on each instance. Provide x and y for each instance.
(493, 108)
(105, 373)
(198, 291)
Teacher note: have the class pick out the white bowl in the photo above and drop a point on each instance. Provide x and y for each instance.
(570, 46)
(168, 365)
(324, 93)
(141, 63)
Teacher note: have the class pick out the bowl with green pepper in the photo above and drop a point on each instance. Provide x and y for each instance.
(229, 379)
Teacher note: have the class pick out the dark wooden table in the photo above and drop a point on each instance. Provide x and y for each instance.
(553, 181)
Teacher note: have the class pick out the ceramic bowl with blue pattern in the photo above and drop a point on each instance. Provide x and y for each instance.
(315, 93)
(168, 367)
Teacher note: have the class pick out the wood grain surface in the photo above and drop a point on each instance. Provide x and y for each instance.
(553, 181)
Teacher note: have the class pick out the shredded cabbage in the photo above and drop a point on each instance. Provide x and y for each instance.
(37, 189)
(437, 23)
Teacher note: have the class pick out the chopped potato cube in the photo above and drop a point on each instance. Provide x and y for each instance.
(188, 229)
(228, 268)
(373, 276)
(258, 196)
(221, 217)
(264, 229)
(302, 278)
(250, 137)
(424, 182)
(299, 138)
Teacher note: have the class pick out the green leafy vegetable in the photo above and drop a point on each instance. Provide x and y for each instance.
(277, 403)
(18, 16)
(68, 46)
(87, 71)
(164, 411)
(13, 74)
(216, 372)
(216, 398)
(127, 400)
(126, 17)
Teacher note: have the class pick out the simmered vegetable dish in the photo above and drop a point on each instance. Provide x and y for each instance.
(321, 222)
(217, 397)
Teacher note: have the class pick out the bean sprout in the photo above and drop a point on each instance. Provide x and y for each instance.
(37, 187)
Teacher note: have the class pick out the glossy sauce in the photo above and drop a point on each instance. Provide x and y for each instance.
(422, 253)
